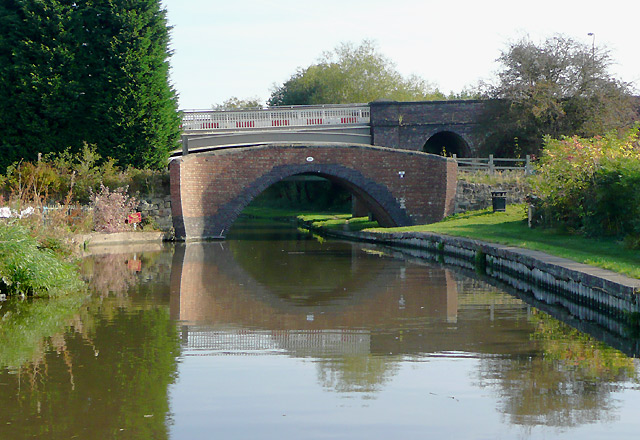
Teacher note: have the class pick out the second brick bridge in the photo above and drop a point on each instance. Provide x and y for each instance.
(221, 170)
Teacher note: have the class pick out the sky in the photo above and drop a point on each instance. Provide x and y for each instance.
(223, 49)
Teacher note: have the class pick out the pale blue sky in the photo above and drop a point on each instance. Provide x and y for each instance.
(242, 48)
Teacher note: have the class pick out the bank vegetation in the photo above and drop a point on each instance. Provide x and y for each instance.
(46, 203)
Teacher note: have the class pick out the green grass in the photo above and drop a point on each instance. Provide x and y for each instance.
(26, 268)
(510, 228)
(326, 220)
(338, 221)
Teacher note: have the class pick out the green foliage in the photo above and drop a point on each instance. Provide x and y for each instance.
(235, 103)
(591, 185)
(351, 74)
(301, 195)
(71, 178)
(86, 72)
(26, 268)
(560, 87)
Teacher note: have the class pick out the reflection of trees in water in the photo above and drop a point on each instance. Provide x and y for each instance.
(59, 356)
(366, 373)
(110, 274)
(116, 274)
(102, 372)
(567, 383)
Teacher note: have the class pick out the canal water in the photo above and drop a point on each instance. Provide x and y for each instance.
(276, 334)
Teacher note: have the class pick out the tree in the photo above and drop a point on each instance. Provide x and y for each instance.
(36, 89)
(86, 72)
(351, 74)
(561, 87)
(235, 103)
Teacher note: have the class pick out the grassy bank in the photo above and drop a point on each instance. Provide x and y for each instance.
(28, 268)
(508, 228)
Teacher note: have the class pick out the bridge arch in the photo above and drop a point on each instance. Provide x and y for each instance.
(447, 142)
(209, 190)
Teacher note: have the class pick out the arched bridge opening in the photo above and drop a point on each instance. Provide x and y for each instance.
(308, 192)
(447, 143)
(209, 190)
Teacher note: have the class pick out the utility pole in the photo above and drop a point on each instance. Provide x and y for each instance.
(593, 44)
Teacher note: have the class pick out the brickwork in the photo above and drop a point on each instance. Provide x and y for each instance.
(400, 188)
(409, 125)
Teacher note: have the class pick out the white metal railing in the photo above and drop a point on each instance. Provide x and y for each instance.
(274, 117)
(492, 164)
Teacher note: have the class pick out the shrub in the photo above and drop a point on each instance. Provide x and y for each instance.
(590, 185)
(72, 178)
(613, 203)
(26, 268)
(111, 208)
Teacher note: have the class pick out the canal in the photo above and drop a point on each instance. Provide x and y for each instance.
(276, 334)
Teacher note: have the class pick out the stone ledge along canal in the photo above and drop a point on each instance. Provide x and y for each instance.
(276, 334)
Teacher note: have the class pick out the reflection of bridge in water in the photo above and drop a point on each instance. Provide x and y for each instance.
(210, 286)
(233, 299)
(202, 340)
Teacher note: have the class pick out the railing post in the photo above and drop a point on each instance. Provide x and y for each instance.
(527, 166)
(491, 165)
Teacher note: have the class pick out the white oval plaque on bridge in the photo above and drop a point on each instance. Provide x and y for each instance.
(309, 159)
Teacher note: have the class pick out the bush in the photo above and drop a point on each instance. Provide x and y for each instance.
(69, 178)
(111, 208)
(26, 268)
(590, 185)
(613, 203)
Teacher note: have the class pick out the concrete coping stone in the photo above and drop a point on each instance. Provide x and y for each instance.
(119, 238)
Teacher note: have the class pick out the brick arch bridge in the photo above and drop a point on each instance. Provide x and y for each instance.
(400, 188)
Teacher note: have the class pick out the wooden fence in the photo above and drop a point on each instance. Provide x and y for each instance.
(492, 164)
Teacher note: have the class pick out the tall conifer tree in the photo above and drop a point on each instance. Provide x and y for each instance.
(93, 71)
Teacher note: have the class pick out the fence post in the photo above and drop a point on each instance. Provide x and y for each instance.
(527, 166)
(491, 165)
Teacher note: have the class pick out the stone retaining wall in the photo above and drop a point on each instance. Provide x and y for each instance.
(475, 196)
(158, 210)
